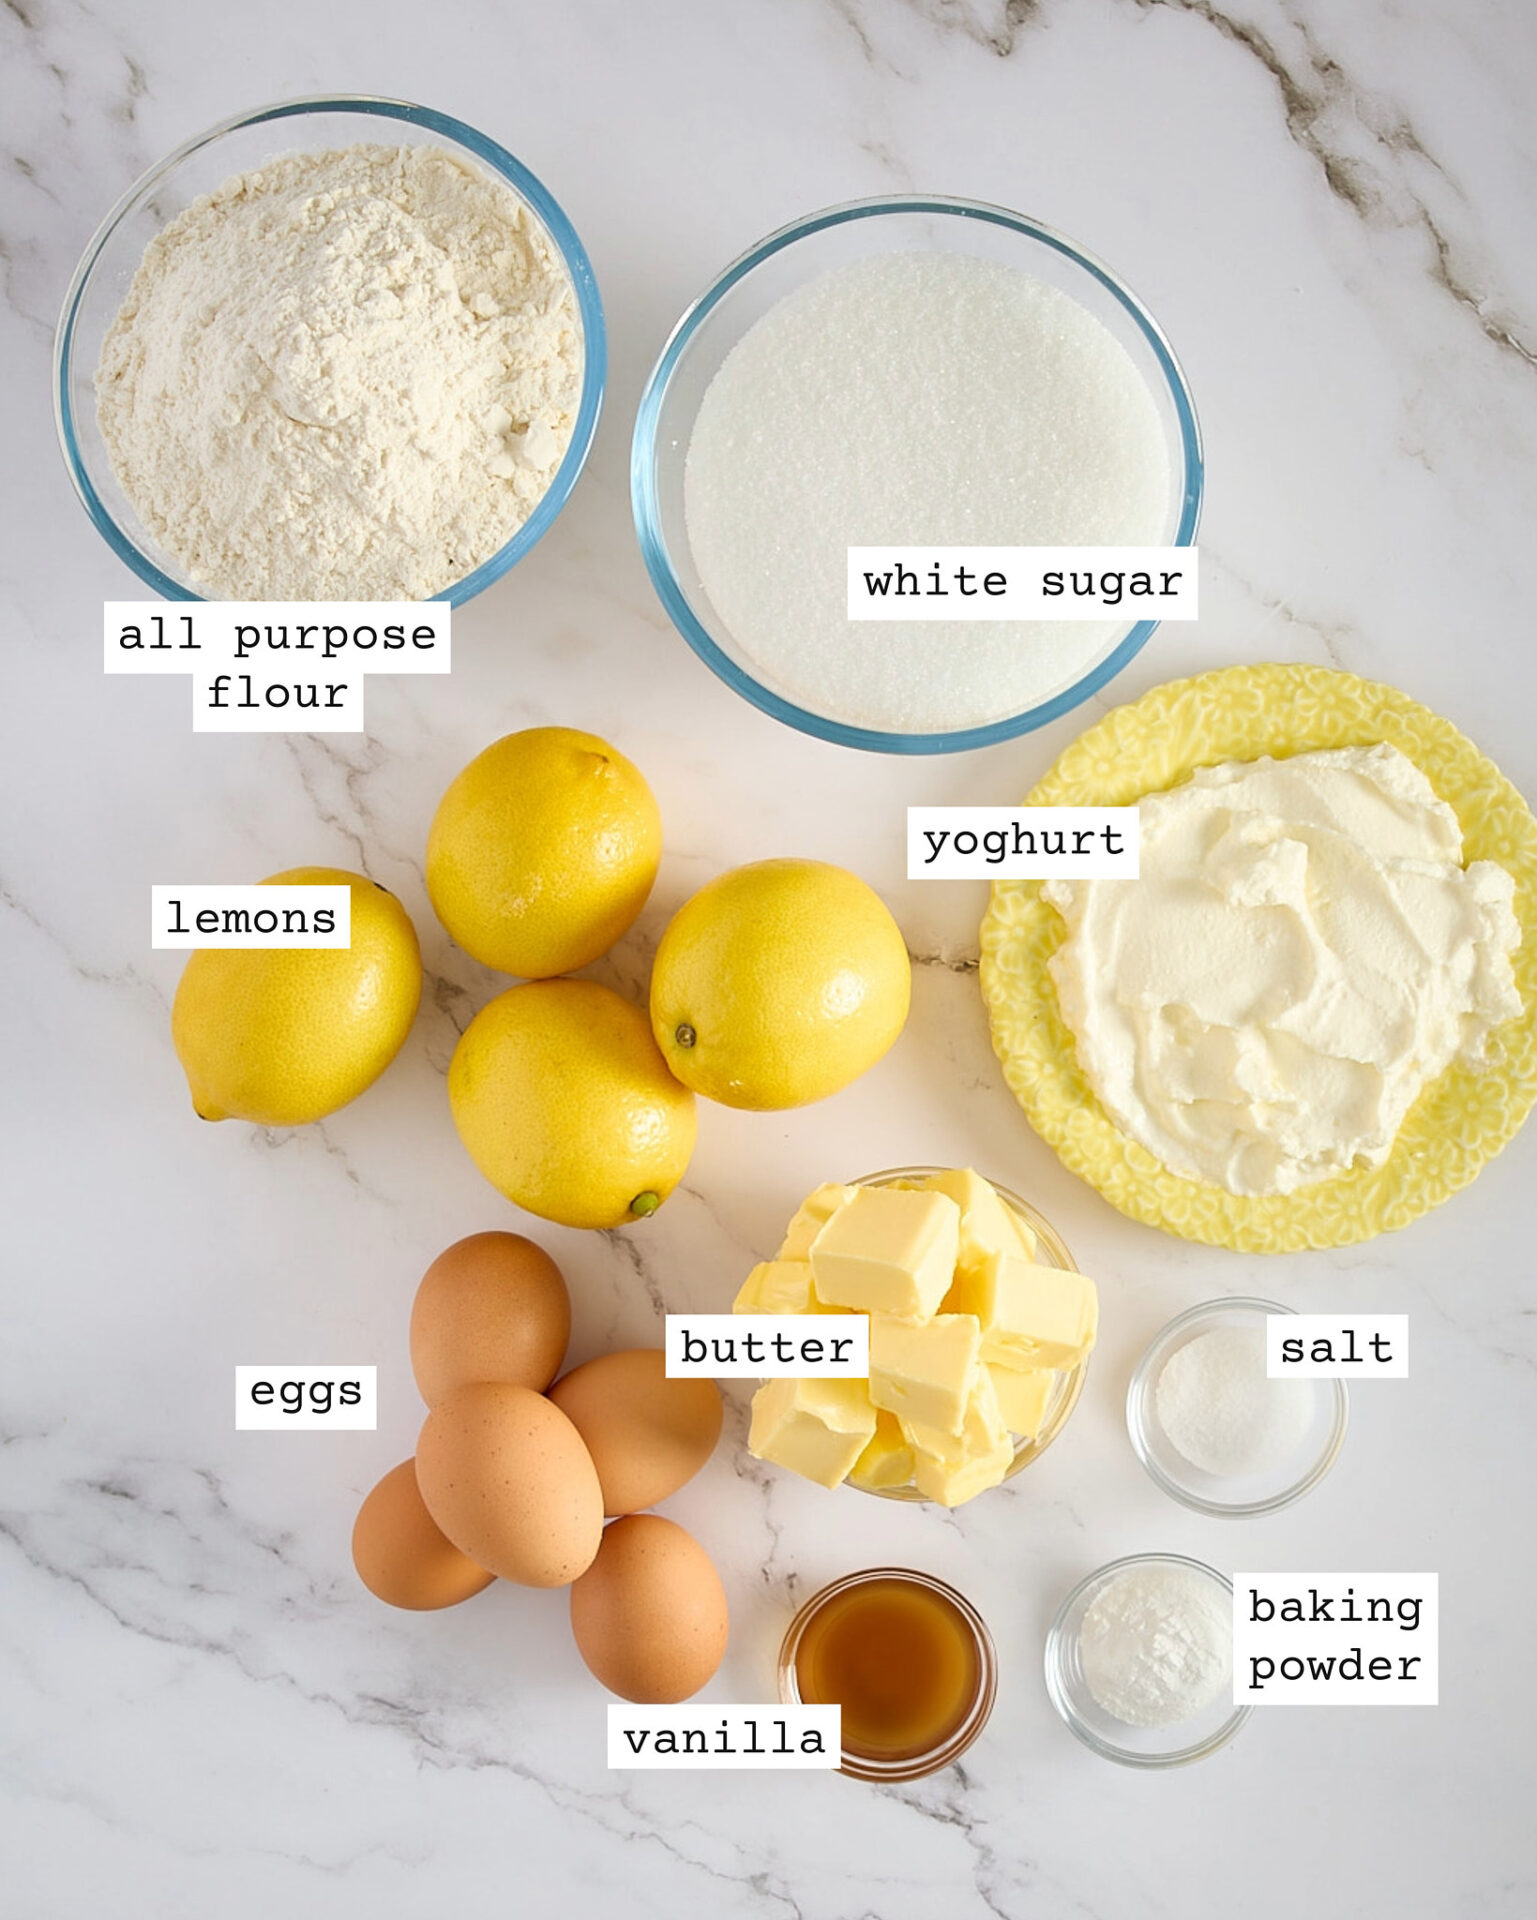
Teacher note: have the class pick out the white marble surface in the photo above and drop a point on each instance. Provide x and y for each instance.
(1327, 203)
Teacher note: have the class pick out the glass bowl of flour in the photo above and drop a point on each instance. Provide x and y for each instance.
(338, 348)
(908, 371)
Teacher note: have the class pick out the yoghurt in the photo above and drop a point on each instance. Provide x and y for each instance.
(1303, 951)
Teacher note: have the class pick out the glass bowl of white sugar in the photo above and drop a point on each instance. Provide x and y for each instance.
(1139, 1661)
(336, 348)
(910, 371)
(1214, 1430)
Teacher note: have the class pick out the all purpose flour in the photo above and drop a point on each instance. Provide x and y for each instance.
(344, 376)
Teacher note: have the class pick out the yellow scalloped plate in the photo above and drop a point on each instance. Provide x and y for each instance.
(1458, 1123)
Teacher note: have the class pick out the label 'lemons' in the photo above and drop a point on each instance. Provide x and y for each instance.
(282, 1036)
(779, 983)
(566, 1106)
(542, 851)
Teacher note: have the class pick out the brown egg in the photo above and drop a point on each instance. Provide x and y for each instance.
(647, 1434)
(506, 1477)
(492, 1307)
(649, 1615)
(401, 1553)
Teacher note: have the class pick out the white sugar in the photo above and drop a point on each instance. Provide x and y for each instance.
(915, 399)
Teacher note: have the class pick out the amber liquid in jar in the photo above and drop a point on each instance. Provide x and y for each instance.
(900, 1659)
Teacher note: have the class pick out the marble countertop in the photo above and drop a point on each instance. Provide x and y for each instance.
(1327, 203)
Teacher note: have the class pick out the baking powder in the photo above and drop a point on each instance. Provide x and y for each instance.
(1156, 1645)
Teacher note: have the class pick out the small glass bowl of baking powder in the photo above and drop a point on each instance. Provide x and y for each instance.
(1208, 1595)
(240, 145)
(1307, 1435)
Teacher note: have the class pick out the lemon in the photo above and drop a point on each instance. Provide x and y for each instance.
(543, 851)
(779, 983)
(282, 1036)
(564, 1103)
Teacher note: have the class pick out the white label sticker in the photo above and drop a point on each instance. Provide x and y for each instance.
(1023, 583)
(1356, 1346)
(302, 1399)
(768, 1346)
(278, 666)
(1336, 1639)
(1023, 843)
(724, 1737)
(239, 701)
(183, 917)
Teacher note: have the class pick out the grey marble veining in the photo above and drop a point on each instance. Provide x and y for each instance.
(1327, 205)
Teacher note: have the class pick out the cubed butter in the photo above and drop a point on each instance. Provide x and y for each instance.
(952, 1486)
(777, 1286)
(1034, 1316)
(988, 1224)
(817, 1428)
(983, 1428)
(925, 1373)
(811, 1216)
(887, 1460)
(1022, 1397)
(888, 1252)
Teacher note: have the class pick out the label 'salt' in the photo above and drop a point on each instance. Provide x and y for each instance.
(1355, 1346)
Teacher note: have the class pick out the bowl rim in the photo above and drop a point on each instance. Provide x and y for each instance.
(1140, 1388)
(643, 493)
(526, 185)
(1056, 1635)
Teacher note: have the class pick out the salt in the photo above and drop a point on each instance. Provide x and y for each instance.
(913, 399)
(1221, 1411)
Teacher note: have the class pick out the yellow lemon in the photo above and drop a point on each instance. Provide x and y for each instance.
(543, 851)
(282, 1036)
(566, 1106)
(779, 983)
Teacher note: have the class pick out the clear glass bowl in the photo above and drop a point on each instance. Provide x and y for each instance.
(1236, 1497)
(755, 282)
(234, 146)
(1051, 1250)
(1109, 1737)
(864, 1766)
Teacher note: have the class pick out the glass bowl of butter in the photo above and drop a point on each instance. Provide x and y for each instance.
(981, 1326)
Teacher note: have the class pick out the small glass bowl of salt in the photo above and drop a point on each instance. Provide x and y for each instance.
(1139, 1661)
(1214, 1430)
